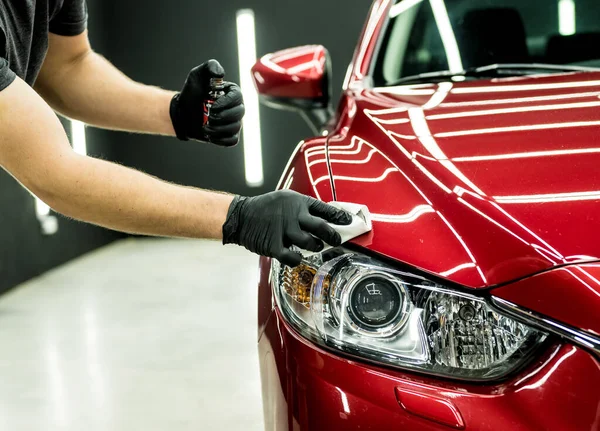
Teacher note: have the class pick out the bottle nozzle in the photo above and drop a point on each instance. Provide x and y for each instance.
(217, 83)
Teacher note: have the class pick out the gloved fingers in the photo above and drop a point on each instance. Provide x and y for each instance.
(232, 97)
(229, 85)
(231, 141)
(319, 228)
(214, 69)
(304, 240)
(329, 213)
(225, 131)
(208, 70)
(227, 116)
(288, 257)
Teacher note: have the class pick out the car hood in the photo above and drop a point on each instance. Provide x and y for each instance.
(479, 182)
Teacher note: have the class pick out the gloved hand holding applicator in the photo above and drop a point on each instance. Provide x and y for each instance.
(270, 224)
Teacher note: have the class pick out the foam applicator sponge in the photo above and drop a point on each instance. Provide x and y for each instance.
(361, 223)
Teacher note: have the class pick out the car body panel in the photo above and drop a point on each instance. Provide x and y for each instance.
(477, 192)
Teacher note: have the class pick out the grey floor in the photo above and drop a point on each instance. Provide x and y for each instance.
(140, 335)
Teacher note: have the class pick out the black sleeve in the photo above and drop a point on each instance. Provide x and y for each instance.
(7, 76)
(71, 20)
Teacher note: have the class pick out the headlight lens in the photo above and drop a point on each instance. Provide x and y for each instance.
(365, 308)
(376, 301)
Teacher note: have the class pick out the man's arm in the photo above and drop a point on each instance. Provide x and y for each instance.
(80, 84)
(35, 150)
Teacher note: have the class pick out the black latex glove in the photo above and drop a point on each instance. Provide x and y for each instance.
(270, 224)
(187, 108)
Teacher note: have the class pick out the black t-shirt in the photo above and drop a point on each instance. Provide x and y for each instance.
(24, 28)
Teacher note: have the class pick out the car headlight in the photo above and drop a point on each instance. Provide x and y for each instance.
(363, 307)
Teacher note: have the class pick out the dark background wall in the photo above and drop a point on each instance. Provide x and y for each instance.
(158, 42)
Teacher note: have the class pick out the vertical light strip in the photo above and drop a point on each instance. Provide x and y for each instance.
(442, 20)
(41, 209)
(246, 36)
(566, 17)
(49, 223)
(78, 137)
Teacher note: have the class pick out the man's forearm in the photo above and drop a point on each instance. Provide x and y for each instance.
(123, 199)
(92, 90)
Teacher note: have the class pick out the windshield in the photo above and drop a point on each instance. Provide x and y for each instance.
(427, 36)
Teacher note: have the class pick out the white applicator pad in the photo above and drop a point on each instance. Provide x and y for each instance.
(361, 223)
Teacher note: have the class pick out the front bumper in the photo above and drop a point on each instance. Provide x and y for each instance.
(307, 388)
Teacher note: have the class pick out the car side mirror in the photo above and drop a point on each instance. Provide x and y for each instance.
(297, 79)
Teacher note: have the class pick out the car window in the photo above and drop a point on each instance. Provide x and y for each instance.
(426, 36)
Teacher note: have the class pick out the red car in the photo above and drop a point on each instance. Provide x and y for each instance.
(471, 130)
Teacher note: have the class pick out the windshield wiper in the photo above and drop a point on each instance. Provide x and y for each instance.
(492, 71)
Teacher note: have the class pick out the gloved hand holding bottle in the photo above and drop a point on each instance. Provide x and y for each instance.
(226, 105)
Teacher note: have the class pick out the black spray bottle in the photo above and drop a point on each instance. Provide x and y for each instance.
(217, 90)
